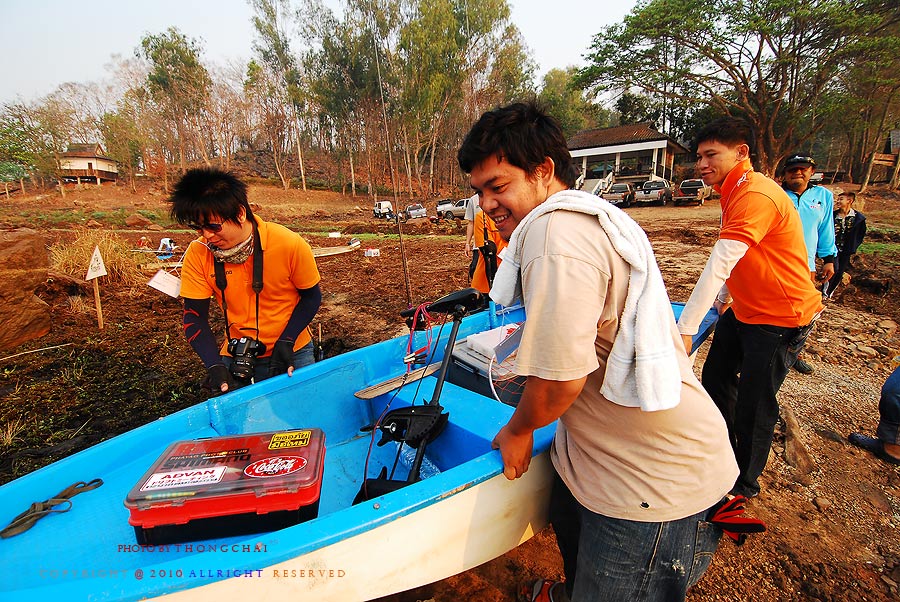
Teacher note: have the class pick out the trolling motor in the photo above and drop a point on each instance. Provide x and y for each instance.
(417, 426)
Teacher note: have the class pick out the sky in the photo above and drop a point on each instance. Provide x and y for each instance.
(46, 43)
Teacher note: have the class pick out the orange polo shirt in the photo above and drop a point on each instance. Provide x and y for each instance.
(770, 284)
(479, 278)
(288, 266)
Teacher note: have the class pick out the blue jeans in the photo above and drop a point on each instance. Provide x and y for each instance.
(745, 367)
(302, 357)
(621, 560)
(889, 409)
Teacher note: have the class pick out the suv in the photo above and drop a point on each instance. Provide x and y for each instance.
(619, 194)
(450, 209)
(414, 211)
(383, 209)
(692, 191)
(657, 192)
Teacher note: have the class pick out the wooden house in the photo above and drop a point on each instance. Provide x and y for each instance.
(87, 161)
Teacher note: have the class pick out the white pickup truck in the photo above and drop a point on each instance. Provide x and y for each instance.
(383, 209)
(656, 192)
(692, 191)
(450, 209)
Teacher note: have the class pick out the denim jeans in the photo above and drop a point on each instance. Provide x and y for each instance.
(889, 409)
(626, 561)
(302, 357)
(745, 367)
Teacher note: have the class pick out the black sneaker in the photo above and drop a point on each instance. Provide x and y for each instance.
(803, 367)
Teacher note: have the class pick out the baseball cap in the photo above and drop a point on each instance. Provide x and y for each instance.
(793, 160)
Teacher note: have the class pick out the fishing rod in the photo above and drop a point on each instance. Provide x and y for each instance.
(387, 140)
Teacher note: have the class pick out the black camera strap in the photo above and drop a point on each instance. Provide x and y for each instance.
(257, 283)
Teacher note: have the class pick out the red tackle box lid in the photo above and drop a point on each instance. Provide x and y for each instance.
(260, 472)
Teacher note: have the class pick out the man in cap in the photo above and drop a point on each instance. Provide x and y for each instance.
(815, 205)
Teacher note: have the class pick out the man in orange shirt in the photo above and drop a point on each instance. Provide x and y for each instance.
(266, 308)
(758, 278)
(485, 232)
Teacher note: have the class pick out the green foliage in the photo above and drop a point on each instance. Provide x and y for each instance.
(772, 61)
(566, 102)
(10, 172)
(176, 74)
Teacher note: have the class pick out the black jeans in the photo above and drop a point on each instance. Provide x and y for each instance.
(743, 371)
(473, 263)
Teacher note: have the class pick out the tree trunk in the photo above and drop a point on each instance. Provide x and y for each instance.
(62, 188)
(407, 161)
(865, 180)
(22, 185)
(895, 177)
(352, 174)
(299, 150)
(165, 173)
(431, 186)
(6, 186)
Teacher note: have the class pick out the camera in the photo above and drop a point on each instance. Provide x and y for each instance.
(243, 357)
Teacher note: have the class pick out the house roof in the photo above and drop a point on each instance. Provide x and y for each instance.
(92, 149)
(623, 134)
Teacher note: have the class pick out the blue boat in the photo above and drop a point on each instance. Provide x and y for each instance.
(451, 521)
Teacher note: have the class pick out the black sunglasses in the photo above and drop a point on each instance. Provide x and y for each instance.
(211, 227)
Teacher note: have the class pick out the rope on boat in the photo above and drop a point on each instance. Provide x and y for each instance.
(39, 510)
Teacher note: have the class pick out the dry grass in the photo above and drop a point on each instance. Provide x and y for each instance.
(73, 258)
(10, 431)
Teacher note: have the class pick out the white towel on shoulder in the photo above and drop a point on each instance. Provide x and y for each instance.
(642, 369)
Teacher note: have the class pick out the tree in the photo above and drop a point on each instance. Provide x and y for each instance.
(16, 159)
(274, 123)
(771, 61)
(274, 50)
(864, 104)
(179, 84)
(566, 102)
(636, 108)
(122, 136)
(10, 172)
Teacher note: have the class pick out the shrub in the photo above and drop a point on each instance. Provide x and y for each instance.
(73, 258)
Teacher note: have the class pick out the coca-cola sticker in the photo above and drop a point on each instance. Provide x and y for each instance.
(277, 466)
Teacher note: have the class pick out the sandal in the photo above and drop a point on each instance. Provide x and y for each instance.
(874, 446)
(539, 591)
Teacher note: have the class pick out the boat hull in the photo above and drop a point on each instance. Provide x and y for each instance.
(414, 550)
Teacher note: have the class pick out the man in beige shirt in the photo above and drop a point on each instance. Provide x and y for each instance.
(639, 463)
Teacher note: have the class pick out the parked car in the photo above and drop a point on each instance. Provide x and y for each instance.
(657, 192)
(383, 209)
(817, 178)
(450, 209)
(692, 191)
(621, 194)
(414, 211)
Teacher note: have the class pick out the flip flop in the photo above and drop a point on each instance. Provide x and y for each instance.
(873, 445)
(539, 591)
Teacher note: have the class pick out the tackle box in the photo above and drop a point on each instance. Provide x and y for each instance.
(233, 485)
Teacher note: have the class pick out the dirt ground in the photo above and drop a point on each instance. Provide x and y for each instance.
(833, 533)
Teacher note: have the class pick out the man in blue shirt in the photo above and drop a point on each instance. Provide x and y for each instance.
(816, 207)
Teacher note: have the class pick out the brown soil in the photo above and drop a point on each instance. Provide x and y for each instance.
(832, 533)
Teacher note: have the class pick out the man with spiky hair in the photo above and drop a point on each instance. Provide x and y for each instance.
(267, 308)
